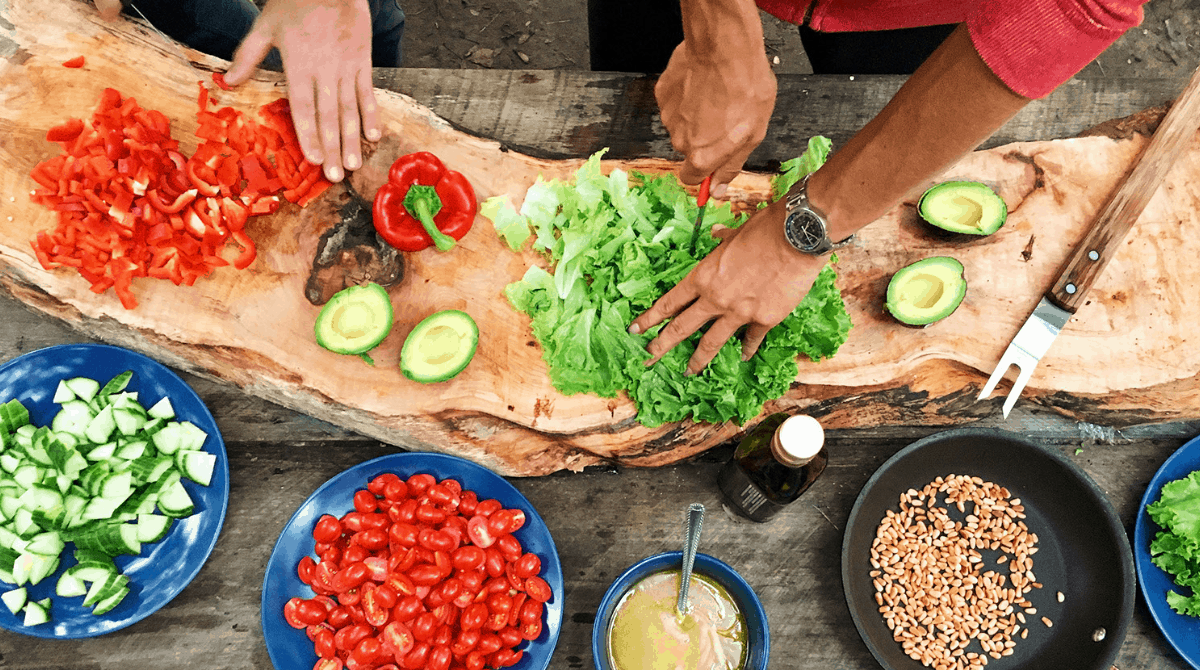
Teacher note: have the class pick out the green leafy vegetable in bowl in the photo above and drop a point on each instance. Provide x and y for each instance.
(1176, 548)
(616, 243)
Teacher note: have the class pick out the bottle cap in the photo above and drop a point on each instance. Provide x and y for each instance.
(797, 440)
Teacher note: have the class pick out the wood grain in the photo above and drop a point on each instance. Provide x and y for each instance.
(253, 329)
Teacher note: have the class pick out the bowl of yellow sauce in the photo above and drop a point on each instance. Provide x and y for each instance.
(638, 628)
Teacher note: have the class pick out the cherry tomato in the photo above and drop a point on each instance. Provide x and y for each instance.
(353, 554)
(518, 520)
(538, 589)
(467, 503)
(419, 483)
(474, 661)
(488, 644)
(425, 575)
(328, 529)
(375, 520)
(291, 613)
(510, 571)
(323, 644)
(365, 501)
(373, 539)
(499, 603)
(305, 569)
(465, 642)
(339, 617)
(375, 612)
(473, 616)
(417, 657)
(408, 608)
(424, 626)
(397, 639)
(404, 534)
(352, 521)
(350, 577)
(430, 514)
(332, 555)
(350, 599)
(496, 585)
(377, 568)
(348, 638)
(331, 664)
(401, 584)
(506, 657)
(367, 651)
(435, 540)
(472, 580)
(494, 563)
(395, 491)
(406, 512)
(498, 522)
(514, 615)
(452, 484)
(439, 658)
(379, 484)
(441, 496)
(488, 507)
(386, 596)
(509, 636)
(444, 634)
(531, 631)
(531, 611)
(478, 531)
(509, 546)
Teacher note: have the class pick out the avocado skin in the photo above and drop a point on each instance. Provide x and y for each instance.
(372, 293)
(978, 191)
(954, 274)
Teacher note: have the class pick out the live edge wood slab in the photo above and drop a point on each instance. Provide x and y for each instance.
(1123, 360)
(609, 516)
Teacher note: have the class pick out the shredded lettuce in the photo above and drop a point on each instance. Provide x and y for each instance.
(615, 243)
(1176, 548)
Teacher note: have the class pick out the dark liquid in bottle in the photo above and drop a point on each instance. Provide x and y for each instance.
(756, 484)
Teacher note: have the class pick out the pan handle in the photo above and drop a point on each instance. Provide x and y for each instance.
(1122, 209)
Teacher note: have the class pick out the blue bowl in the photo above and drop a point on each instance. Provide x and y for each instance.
(758, 633)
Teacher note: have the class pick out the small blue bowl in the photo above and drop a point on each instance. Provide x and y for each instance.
(758, 633)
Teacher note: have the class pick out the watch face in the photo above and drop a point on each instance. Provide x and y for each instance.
(805, 231)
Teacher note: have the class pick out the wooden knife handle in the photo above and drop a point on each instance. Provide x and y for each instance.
(1125, 205)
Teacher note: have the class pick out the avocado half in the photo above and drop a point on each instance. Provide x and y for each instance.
(926, 291)
(355, 319)
(966, 207)
(439, 347)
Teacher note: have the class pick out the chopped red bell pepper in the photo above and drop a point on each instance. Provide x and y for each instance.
(74, 62)
(219, 77)
(66, 131)
(423, 204)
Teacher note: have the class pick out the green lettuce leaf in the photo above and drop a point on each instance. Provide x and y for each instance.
(615, 243)
(795, 169)
(1176, 548)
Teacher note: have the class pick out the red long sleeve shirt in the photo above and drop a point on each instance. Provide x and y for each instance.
(1031, 45)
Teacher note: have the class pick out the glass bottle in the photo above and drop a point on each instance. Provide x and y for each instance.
(773, 465)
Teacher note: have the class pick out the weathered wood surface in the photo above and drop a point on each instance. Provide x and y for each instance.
(252, 330)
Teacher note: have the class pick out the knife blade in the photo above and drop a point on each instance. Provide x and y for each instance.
(1083, 267)
(174, 45)
(701, 201)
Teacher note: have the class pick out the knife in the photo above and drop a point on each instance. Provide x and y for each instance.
(1089, 258)
(174, 45)
(701, 201)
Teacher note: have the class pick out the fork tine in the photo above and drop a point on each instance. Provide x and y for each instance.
(1006, 361)
(1018, 386)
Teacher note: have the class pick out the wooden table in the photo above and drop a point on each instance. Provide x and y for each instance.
(603, 520)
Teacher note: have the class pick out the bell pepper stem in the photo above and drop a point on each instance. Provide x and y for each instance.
(423, 203)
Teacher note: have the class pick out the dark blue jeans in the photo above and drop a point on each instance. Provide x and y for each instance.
(216, 27)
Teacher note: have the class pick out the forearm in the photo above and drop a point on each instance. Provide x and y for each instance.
(720, 29)
(951, 104)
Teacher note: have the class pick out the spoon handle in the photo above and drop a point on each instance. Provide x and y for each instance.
(695, 518)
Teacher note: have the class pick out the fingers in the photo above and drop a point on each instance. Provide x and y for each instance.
(109, 10)
(367, 104)
(302, 94)
(671, 303)
(253, 49)
(755, 334)
(328, 128)
(348, 104)
(712, 341)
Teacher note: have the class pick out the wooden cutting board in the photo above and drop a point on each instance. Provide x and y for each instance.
(1124, 359)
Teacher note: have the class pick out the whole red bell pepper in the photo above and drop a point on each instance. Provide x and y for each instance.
(423, 204)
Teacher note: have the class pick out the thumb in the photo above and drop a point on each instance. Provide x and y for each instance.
(108, 9)
(253, 49)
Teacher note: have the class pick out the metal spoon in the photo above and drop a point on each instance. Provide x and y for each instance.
(692, 523)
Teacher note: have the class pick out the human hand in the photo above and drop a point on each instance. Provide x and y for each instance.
(754, 278)
(716, 105)
(109, 9)
(325, 46)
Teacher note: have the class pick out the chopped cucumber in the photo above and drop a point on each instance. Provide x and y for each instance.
(15, 599)
(105, 475)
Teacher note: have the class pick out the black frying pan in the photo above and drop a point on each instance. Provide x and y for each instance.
(1083, 550)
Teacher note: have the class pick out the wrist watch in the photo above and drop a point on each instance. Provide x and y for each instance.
(805, 226)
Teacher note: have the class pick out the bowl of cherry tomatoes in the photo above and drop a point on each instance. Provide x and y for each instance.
(413, 561)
